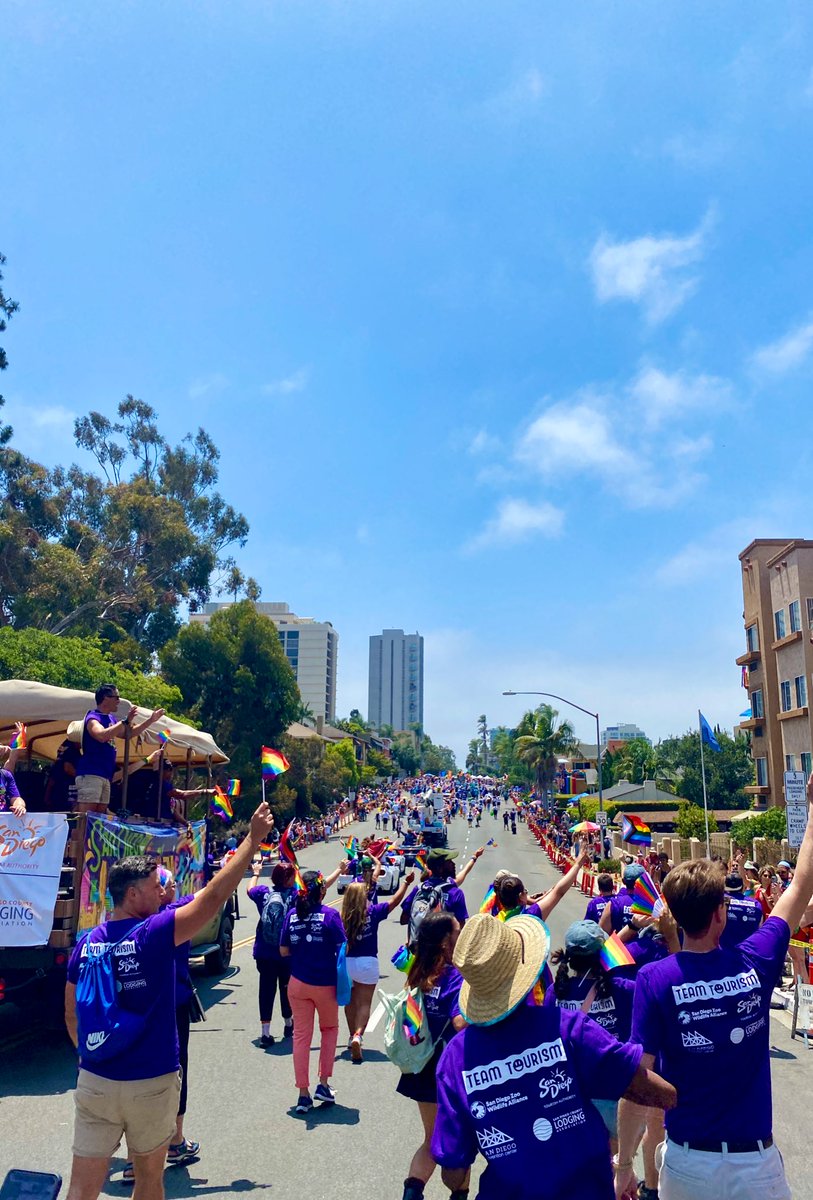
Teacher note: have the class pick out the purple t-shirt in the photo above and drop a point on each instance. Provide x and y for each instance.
(707, 1016)
(262, 948)
(442, 1003)
(98, 758)
(621, 909)
(8, 790)
(743, 918)
(596, 907)
(314, 944)
(519, 1092)
(366, 946)
(144, 966)
(613, 1012)
(183, 979)
(455, 901)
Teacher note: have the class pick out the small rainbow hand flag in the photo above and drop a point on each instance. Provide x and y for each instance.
(646, 899)
(634, 831)
(413, 1019)
(490, 902)
(20, 739)
(491, 842)
(351, 847)
(288, 854)
(420, 859)
(273, 762)
(402, 960)
(163, 736)
(266, 847)
(615, 954)
(221, 804)
(233, 788)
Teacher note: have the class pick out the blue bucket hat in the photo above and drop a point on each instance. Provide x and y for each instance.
(632, 872)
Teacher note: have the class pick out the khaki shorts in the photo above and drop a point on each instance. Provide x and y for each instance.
(142, 1110)
(92, 789)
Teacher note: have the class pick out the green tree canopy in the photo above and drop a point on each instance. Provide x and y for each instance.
(691, 822)
(541, 741)
(769, 824)
(728, 771)
(236, 682)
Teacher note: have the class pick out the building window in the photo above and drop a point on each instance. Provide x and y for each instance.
(757, 707)
(809, 613)
(762, 772)
(784, 696)
(790, 762)
(795, 616)
(807, 763)
(752, 636)
(801, 691)
(779, 623)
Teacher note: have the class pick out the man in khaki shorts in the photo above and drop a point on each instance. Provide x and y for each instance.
(98, 762)
(134, 1093)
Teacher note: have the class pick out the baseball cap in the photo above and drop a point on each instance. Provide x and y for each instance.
(632, 872)
(750, 866)
(733, 883)
(584, 937)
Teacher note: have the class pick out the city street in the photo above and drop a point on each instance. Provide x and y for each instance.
(241, 1098)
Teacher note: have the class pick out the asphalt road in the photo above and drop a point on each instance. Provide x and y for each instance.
(241, 1097)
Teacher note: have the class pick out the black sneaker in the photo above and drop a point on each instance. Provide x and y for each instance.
(288, 1030)
(647, 1193)
(304, 1104)
(267, 1040)
(324, 1094)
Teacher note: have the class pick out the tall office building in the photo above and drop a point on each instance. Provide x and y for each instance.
(622, 733)
(311, 648)
(777, 590)
(396, 679)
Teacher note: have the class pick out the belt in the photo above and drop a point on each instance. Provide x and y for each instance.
(729, 1147)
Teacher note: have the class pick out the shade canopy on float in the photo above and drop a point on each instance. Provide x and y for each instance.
(53, 713)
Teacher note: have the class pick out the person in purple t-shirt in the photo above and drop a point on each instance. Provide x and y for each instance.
(597, 905)
(134, 1091)
(98, 763)
(311, 937)
(361, 918)
(743, 918)
(274, 970)
(618, 912)
(705, 1014)
(440, 865)
(516, 1084)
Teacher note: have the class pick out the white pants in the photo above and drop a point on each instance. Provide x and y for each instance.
(363, 969)
(701, 1175)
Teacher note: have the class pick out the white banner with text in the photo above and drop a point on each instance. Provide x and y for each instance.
(31, 852)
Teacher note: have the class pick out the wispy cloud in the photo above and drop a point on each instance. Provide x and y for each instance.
(207, 385)
(650, 271)
(55, 418)
(520, 97)
(296, 382)
(518, 521)
(787, 352)
(663, 397)
(484, 442)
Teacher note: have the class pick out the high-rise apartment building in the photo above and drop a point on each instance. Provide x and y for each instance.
(311, 648)
(622, 733)
(777, 589)
(396, 679)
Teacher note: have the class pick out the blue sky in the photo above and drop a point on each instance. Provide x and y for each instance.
(501, 314)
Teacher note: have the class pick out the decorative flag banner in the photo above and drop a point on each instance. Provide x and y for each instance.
(20, 739)
(221, 804)
(287, 854)
(402, 960)
(646, 899)
(351, 847)
(413, 1019)
(163, 736)
(615, 954)
(707, 733)
(273, 763)
(233, 788)
(634, 831)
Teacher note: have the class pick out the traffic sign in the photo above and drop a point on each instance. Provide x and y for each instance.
(601, 817)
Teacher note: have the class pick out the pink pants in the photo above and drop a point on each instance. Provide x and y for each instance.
(306, 1001)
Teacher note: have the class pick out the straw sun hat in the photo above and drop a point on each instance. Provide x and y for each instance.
(500, 962)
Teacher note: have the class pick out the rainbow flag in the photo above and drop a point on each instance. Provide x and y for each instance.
(420, 859)
(646, 899)
(163, 736)
(615, 954)
(288, 854)
(221, 804)
(266, 847)
(537, 998)
(413, 1019)
(233, 788)
(403, 959)
(490, 902)
(20, 739)
(634, 831)
(273, 763)
(351, 847)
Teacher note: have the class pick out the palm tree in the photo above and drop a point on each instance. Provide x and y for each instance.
(542, 742)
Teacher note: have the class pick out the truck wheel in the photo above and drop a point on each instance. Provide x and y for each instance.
(219, 959)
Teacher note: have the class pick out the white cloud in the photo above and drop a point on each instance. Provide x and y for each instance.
(581, 429)
(650, 271)
(55, 419)
(787, 352)
(296, 382)
(204, 387)
(484, 442)
(518, 521)
(521, 96)
(663, 397)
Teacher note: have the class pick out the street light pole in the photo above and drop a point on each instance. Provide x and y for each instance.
(587, 712)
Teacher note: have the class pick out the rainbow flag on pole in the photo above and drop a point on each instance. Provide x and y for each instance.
(163, 736)
(615, 954)
(20, 739)
(634, 831)
(288, 854)
(273, 763)
(413, 1018)
(233, 788)
(221, 804)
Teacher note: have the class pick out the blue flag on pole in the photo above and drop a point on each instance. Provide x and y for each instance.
(707, 733)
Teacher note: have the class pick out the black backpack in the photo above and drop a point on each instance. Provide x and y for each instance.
(430, 897)
(272, 917)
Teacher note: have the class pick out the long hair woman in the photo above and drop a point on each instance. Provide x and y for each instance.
(361, 918)
(311, 937)
(275, 971)
(439, 980)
